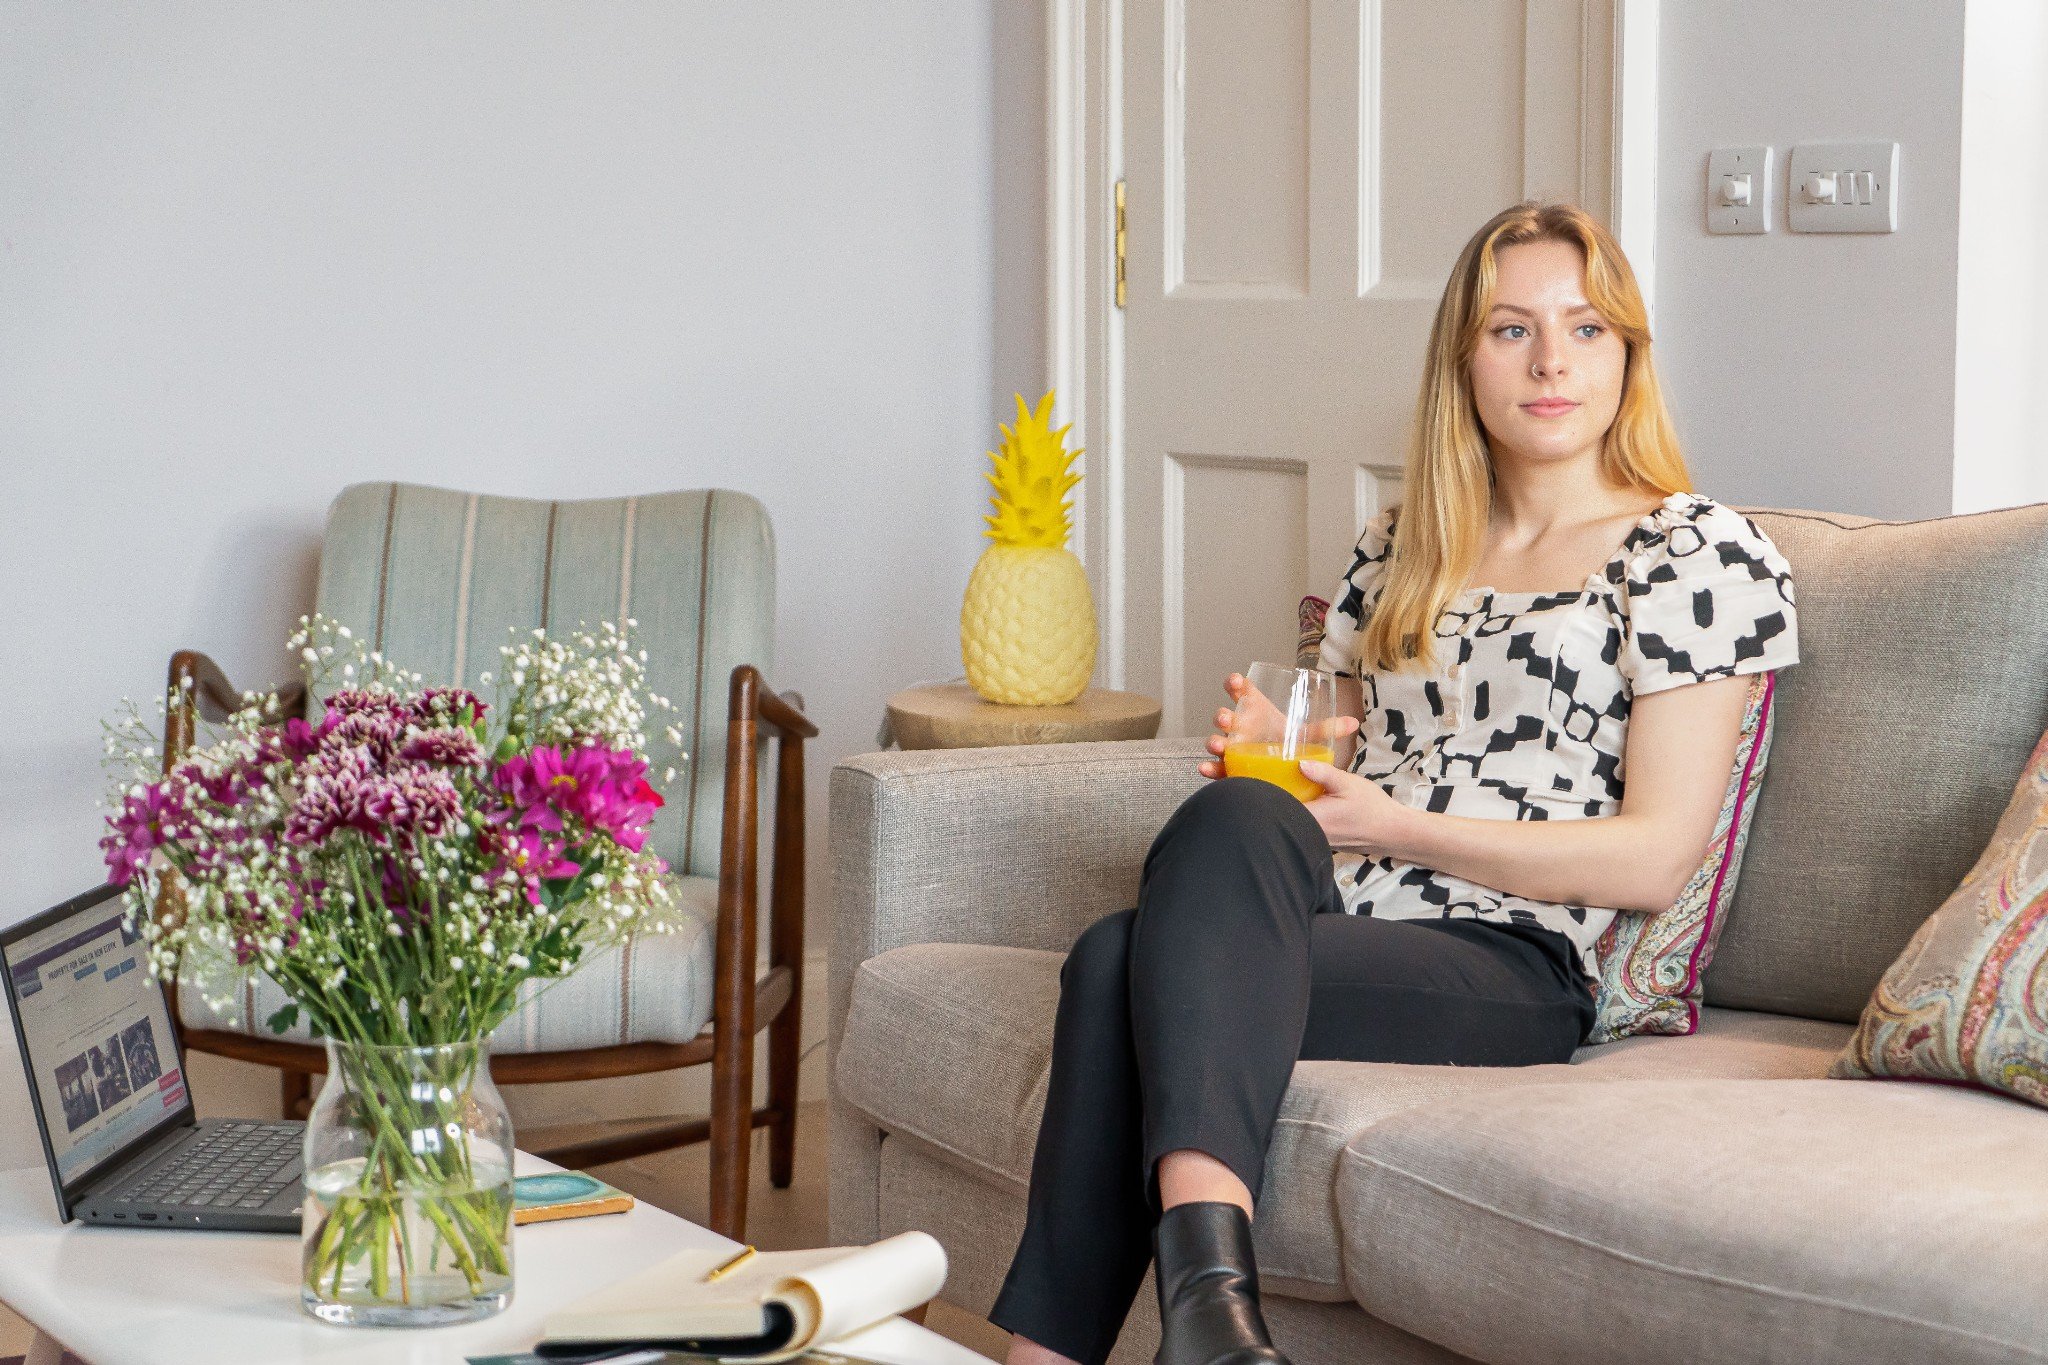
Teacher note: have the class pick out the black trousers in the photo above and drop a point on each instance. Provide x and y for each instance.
(1180, 1022)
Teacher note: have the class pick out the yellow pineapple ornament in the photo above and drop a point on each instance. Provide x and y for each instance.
(1027, 626)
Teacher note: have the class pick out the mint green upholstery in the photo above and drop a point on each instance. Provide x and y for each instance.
(438, 580)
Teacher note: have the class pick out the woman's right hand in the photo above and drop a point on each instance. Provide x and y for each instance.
(1257, 716)
(1252, 712)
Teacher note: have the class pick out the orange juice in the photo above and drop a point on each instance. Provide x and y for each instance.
(1264, 762)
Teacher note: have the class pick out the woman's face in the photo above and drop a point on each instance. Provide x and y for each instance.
(1547, 374)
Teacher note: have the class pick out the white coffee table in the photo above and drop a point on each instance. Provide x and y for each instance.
(116, 1296)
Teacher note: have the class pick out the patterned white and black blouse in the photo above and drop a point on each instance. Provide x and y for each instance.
(1524, 715)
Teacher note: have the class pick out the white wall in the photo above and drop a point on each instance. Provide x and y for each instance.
(252, 252)
(2002, 281)
(1812, 370)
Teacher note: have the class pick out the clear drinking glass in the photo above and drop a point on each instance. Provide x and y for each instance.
(1287, 714)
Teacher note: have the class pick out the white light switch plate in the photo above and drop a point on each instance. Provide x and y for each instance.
(1739, 189)
(1843, 187)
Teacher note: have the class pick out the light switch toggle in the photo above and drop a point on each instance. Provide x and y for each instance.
(1819, 188)
(1735, 190)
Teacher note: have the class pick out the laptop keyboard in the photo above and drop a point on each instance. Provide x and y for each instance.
(236, 1165)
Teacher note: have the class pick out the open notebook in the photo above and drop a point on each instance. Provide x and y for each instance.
(775, 1306)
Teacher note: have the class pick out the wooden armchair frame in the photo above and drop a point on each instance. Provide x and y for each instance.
(742, 1004)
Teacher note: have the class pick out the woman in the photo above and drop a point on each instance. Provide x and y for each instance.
(1549, 608)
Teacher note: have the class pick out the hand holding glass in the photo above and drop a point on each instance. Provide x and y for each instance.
(1284, 715)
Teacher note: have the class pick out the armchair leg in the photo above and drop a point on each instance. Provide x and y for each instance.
(785, 1055)
(295, 1093)
(732, 1130)
(786, 948)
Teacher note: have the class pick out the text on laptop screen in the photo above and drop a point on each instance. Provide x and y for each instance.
(100, 1049)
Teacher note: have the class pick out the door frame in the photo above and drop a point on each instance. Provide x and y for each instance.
(1616, 43)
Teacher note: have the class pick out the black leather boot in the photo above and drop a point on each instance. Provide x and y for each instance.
(1209, 1289)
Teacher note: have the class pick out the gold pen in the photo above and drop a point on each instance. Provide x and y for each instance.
(725, 1267)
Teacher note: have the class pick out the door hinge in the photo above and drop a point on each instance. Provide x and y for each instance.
(1119, 243)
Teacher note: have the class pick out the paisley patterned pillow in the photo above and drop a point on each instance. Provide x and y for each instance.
(1967, 1001)
(1308, 642)
(1651, 966)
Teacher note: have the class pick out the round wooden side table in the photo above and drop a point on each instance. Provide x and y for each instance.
(955, 716)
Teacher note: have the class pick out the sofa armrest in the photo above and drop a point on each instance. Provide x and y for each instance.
(1015, 847)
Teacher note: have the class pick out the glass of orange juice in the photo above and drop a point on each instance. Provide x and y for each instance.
(1287, 714)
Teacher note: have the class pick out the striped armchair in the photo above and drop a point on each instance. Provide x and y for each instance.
(436, 580)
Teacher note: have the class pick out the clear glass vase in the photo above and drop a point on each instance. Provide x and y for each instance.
(408, 1210)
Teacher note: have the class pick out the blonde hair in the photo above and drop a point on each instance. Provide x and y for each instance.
(1448, 499)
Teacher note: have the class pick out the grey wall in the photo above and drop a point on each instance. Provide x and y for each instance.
(1808, 370)
(251, 252)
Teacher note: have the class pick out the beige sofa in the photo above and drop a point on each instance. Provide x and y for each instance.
(1700, 1199)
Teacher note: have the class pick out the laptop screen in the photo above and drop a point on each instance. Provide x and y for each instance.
(95, 1032)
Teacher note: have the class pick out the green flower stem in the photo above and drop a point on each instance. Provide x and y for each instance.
(371, 1219)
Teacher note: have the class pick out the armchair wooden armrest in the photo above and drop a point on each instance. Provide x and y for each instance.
(752, 709)
(198, 689)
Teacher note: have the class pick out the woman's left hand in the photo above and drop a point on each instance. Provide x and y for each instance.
(1355, 812)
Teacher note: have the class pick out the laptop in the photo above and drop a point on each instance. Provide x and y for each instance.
(107, 1081)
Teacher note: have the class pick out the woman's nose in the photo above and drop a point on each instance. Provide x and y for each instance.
(1549, 362)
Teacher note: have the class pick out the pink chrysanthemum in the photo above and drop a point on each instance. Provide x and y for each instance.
(443, 749)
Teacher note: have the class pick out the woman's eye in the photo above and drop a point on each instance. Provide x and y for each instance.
(1511, 327)
(1592, 327)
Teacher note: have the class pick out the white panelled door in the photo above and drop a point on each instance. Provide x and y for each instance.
(1300, 176)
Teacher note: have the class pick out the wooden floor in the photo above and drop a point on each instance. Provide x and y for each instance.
(777, 1220)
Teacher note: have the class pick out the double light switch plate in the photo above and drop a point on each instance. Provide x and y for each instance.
(1844, 187)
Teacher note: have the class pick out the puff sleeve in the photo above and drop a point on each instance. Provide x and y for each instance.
(1352, 603)
(1711, 597)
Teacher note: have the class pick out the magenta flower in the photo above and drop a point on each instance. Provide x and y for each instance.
(448, 706)
(358, 701)
(626, 805)
(604, 789)
(379, 733)
(535, 859)
(229, 788)
(138, 831)
(543, 786)
(443, 749)
(298, 740)
(350, 790)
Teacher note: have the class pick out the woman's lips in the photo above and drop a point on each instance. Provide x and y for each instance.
(1549, 408)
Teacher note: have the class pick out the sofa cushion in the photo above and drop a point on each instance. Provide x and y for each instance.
(1651, 966)
(1793, 1220)
(1964, 1001)
(952, 1044)
(1922, 683)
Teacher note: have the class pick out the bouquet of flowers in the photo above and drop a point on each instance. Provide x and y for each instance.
(400, 864)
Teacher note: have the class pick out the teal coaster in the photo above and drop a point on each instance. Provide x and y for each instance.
(555, 1188)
